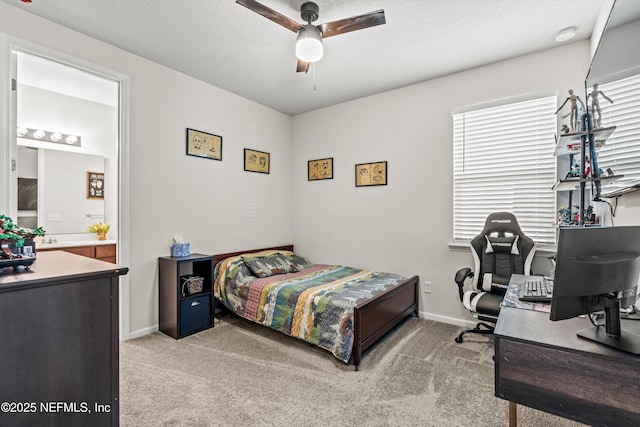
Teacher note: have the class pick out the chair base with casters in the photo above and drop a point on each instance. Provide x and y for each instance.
(499, 251)
(484, 305)
(477, 330)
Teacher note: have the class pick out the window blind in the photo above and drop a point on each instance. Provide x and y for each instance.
(621, 152)
(504, 161)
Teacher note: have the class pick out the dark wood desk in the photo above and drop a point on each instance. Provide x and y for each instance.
(59, 345)
(545, 365)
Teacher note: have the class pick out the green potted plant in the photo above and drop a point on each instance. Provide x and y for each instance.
(101, 229)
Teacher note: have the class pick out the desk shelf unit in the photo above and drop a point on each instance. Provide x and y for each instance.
(181, 314)
(570, 143)
(584, 144)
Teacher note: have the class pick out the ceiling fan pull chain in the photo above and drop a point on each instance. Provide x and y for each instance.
(314, 76)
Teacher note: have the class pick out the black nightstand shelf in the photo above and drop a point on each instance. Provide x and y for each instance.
(181, 314)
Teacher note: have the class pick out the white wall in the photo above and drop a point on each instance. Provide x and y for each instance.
(405, 227)
(215, 205)
(627, 210)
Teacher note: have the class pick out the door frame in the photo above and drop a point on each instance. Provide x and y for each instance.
(8, 145)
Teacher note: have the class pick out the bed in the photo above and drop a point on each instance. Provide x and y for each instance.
(340, 309)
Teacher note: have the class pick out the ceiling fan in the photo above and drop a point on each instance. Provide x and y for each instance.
(309, 40)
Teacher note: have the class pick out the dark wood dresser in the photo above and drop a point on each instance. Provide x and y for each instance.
(59, 344)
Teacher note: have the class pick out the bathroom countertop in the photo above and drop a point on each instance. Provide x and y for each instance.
(75, 243)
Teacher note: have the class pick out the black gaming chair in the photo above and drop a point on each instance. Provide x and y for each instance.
(499, 251)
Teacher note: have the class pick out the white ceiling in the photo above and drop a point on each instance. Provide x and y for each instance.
(54, 77)
(231, 47)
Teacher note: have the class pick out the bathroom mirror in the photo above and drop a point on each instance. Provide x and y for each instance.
(57, 190)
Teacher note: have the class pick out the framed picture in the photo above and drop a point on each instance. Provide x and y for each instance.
(95, 185)
(320, 169)
(203, 144)
(368, 174)
(256, 161)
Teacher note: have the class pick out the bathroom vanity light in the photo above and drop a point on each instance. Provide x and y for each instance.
(48, 136)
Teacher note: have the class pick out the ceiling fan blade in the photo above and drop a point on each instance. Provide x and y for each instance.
(302, 66)
(271, 14)
(354, 23)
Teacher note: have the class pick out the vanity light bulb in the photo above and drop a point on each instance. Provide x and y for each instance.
(72, 139)
(56, 137)
(39, 134)
(22, 131)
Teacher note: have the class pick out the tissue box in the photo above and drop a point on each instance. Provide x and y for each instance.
(180, 250)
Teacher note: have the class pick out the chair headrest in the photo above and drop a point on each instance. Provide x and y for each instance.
(501, 223)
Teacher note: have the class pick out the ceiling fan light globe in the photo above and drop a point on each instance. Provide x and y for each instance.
(309, 50)
(309, 44)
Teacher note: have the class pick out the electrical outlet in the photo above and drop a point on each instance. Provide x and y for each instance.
(426, 287)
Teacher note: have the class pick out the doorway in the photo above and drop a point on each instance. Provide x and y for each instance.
(67, 126)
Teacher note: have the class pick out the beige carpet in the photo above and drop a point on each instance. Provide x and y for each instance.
(242, 374)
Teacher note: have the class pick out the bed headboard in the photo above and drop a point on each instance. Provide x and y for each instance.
(222, 257)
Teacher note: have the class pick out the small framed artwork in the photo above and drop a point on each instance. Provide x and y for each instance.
(256, 161)
(320, 169)
(95, 185)
(203, 144)
(368, 174)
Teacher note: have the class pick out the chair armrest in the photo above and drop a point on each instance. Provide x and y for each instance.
(461, 276)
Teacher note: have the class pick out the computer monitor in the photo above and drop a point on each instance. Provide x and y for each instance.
(598, 268)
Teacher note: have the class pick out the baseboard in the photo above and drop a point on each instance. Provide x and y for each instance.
(449, 320)
(144, 331)
(423, 315)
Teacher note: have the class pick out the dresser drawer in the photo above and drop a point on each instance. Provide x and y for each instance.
(88, 251)
(105, 251)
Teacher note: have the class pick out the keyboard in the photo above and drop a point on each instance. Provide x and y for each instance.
(536, 289)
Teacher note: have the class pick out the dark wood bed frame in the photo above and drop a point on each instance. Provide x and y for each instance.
(373, 318)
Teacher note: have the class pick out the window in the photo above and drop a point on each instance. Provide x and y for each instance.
(503, 161)
(622, 150)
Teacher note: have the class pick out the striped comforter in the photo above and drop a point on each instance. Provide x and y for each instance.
(314, 304)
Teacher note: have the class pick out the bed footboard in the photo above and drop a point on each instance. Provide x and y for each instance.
(377, 316)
